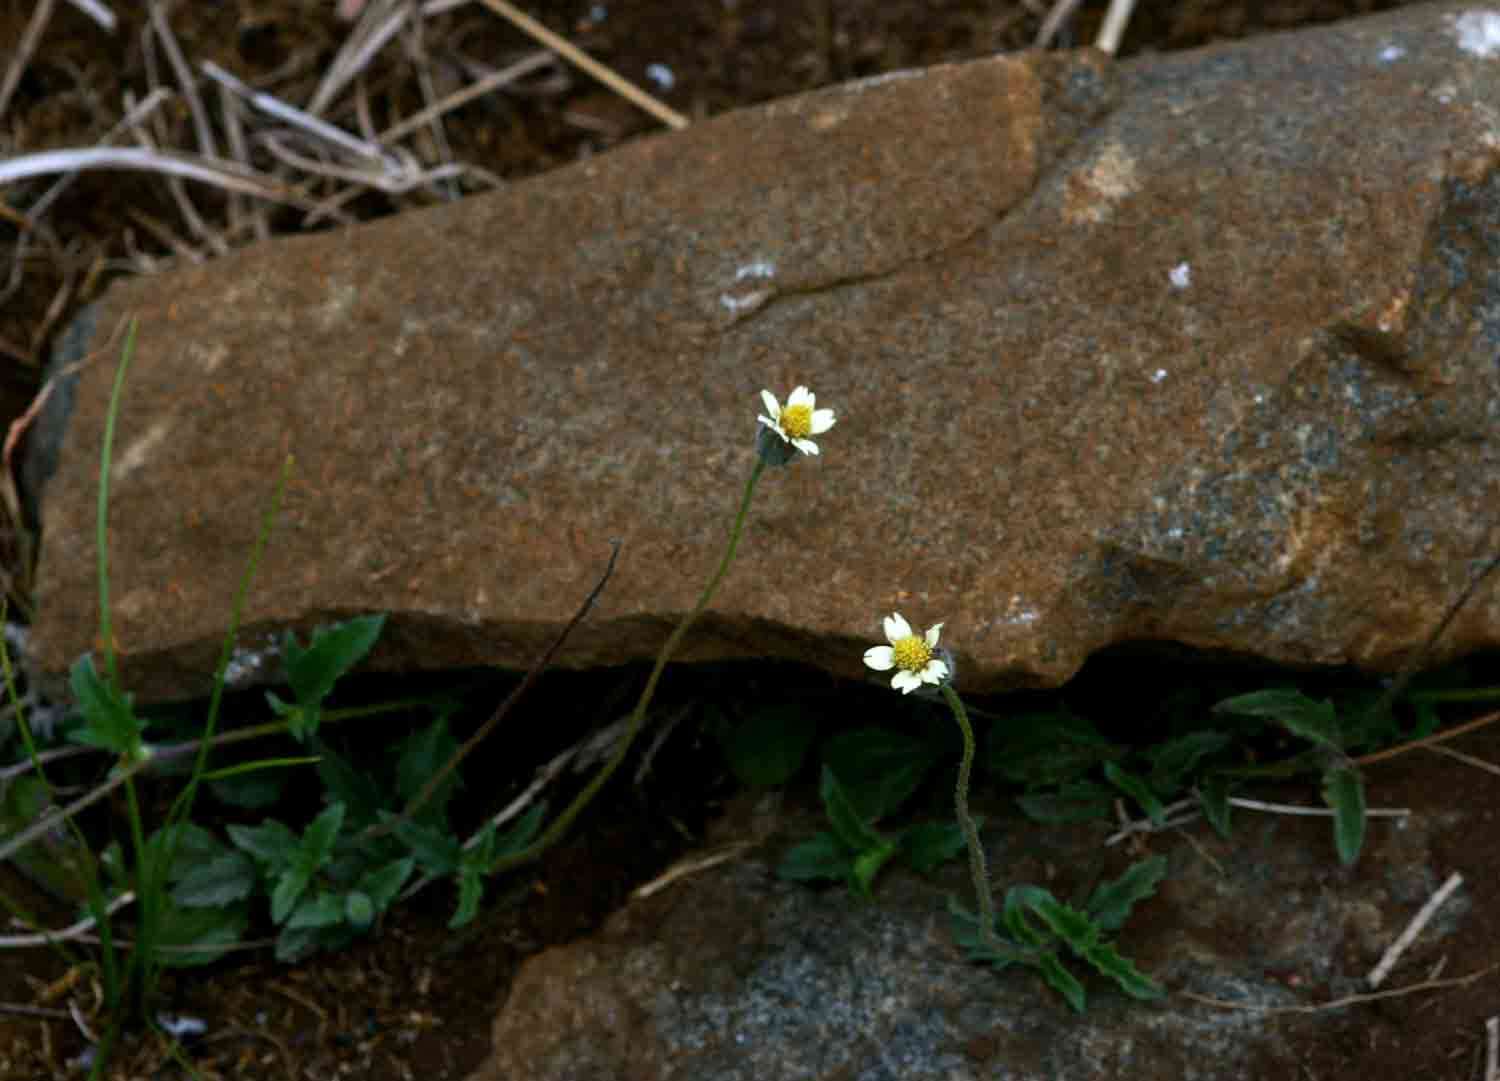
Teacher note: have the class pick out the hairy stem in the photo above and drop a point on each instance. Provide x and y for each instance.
(978, 870)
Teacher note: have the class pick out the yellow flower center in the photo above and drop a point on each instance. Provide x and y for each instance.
(911, 653)
(796, 421)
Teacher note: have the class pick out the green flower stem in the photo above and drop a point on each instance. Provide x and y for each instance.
(978, 871)
(560, 825)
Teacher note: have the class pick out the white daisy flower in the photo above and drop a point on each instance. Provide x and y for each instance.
(798, 419)
(912, 656)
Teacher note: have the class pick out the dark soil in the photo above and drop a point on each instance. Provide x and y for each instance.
(416, 1000)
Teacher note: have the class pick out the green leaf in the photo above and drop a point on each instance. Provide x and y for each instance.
(928, 845)
(312, 672)
(769, 746)
(1076, 801)
(1344, 791)
(1174, 761)
(1067, 923)
(1062, 981)
(228, 877)
(290, 885)
(845, 819)
(965, 928)
(1047, 748)
(470, 891)
(319, 837)
(210, 932)
(867, 865)
(1111, 902)
(108, 719)
(359, 910)
(1213, 796)
(436, 851)
(1013, 914)
(323, 909)
(383, 883)
(1108, 961)
(521, 834)
(356, 789)
(1313, 720)
(1137, 789)
(422, 754)
(822, 857)
(192, 845)
(879, 768)
(250, 791)
(270, 842)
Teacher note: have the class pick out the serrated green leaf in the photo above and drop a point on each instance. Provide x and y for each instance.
(1213, 797)
(189, 937)
(1062, 981)
(323, 909)
(1309, 718)
(1067, 923)
(109, 721)
(1018, 899)
(1108, 961)
(1137, 789)
(1344, 791)
(191, 845)
(879, 768)
(848, 826)
(226, 878)
(270, 842)
(333, 651)
(817, 859)
(928, 845)
(1111, 902)
(965, 928)
(770, 745)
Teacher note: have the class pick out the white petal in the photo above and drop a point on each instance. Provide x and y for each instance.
(801, 396)
(822, 420)
(934, 672)
(905, 682)
(880, 658)
(932, 634)
(772, 405)
(806, 446)
(896, 628)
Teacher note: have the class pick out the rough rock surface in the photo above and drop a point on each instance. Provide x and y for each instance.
(733, 975)
(1200, 347)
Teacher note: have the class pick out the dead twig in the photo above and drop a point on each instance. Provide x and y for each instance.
(1388, 960)
(1347, 1000)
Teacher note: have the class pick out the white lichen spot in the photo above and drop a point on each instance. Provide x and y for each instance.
(209, 357)
(1158, 375)
(1018, 613)
(244, 664)
(139, 452)
(661, 75)
(1092, 191)
(1181, 276)
(1391, 53)
(760, 270)
(1478, 33)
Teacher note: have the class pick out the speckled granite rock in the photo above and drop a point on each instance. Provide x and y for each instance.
(1200, 348)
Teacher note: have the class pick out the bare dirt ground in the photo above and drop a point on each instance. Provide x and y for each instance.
(416, 1000)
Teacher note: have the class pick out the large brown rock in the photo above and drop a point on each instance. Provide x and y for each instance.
(1197, 348)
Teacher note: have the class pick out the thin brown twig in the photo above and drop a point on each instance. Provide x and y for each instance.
(1348, 1000)
(503, 709)
(1427, 741)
